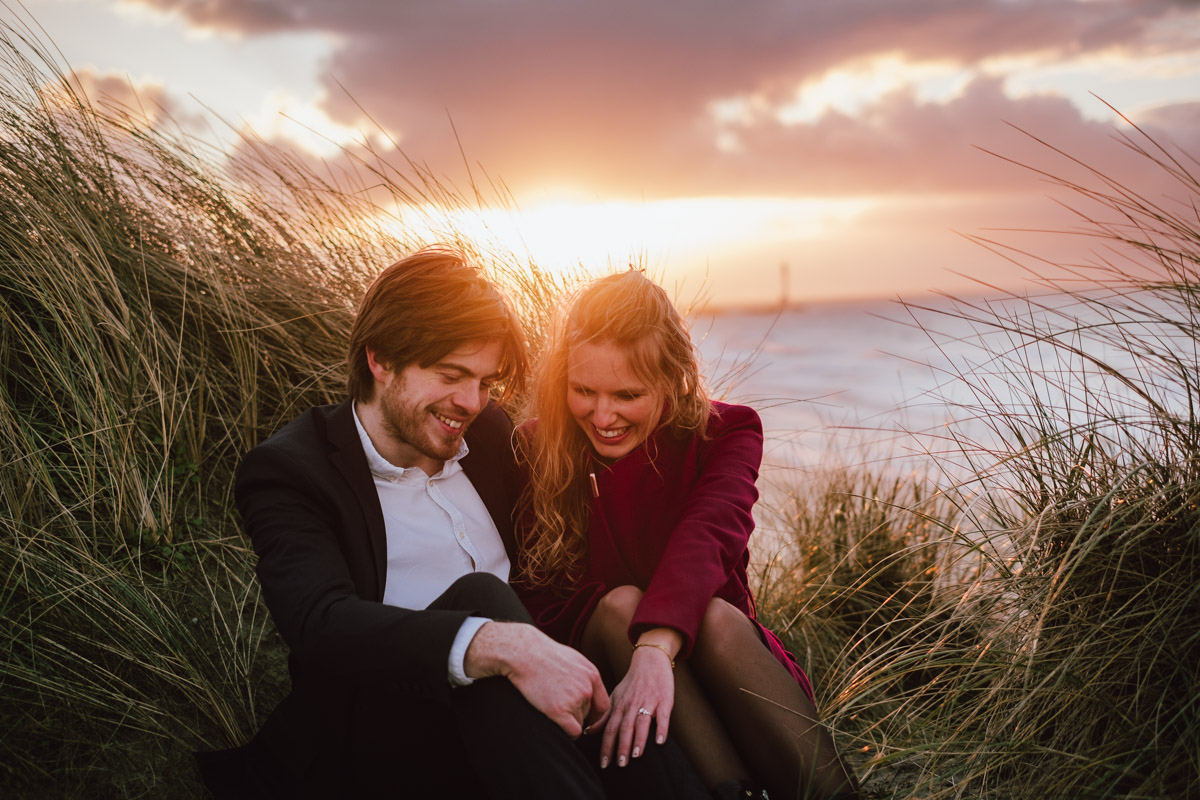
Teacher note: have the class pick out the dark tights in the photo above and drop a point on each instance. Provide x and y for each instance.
(739, 714)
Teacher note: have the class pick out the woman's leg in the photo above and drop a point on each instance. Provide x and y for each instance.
(694, 723)
(770, 717)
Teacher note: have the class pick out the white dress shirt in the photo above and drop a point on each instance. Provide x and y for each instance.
(438, 530)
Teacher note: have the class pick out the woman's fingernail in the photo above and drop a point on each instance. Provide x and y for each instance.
(660, 739)
(636, 752)
(620, 761)
(603, 762)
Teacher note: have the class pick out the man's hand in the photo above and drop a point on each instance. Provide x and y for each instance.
(556, 680)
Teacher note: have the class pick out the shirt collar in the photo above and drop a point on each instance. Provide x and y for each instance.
(382, 468)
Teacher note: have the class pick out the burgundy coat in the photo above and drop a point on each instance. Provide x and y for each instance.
(673, 518)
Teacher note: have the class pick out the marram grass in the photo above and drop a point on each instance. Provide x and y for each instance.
(158, 316)
(1034, 630)
(1030, 632)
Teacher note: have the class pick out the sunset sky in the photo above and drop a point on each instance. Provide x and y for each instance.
(719, 140)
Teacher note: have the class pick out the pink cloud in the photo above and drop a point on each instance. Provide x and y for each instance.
(117, 95)
(613, 97)
(898, 146)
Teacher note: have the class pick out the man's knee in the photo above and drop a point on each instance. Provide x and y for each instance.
(504, 733)
(484, 595)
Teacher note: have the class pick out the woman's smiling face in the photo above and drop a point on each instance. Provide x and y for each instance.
(614, 408)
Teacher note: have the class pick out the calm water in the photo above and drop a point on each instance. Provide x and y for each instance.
(834, 382)
(873, 383)
(844, 383)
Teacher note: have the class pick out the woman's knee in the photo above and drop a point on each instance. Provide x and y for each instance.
(620, 604)
(615, 611)
(724, 629)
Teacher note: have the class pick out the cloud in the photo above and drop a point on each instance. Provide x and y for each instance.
(117, 95)
(137, 104)
(617, 97)
(904, 145)
(233, 16)
(1179, 124)
(759, 30)
(897, 146)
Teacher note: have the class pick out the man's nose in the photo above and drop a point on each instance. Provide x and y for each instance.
(471, 399)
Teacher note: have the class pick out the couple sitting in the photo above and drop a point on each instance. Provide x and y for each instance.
(388, 529)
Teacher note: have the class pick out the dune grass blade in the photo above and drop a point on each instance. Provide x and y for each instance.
(1052, 651)
(163, 307)
(1028, 631)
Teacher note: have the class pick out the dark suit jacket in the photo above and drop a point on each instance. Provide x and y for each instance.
(309, 505)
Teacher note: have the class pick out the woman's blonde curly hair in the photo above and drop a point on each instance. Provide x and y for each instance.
(632, 312)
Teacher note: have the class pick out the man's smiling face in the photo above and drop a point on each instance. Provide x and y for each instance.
(426, 410)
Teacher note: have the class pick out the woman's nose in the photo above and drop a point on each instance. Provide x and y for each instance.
(605, 414)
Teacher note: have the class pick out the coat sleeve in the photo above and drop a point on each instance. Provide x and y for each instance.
(295, 525)
(562, 617)
(711, 537)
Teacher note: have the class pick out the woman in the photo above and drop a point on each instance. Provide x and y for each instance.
(636, 523)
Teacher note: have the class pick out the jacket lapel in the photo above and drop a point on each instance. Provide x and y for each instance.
(488, 465)
(347, 456)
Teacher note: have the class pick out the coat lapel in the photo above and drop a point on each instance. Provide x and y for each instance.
(347, 456)
(489, 466)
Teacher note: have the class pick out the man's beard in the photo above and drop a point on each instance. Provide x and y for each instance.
(415, 425)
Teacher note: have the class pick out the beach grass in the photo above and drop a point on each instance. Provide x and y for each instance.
(1033, 629)
(1030, 630)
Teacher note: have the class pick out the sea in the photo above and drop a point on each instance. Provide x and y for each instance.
(911, 385)
(839, 383)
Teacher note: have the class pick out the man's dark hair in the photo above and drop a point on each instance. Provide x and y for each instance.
(428, 305)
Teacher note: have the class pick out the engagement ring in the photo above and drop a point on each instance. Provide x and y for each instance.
(643, 711)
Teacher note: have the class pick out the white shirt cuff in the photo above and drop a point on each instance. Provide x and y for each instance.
(458, 651)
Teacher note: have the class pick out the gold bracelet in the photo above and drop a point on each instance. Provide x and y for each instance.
(660, 647)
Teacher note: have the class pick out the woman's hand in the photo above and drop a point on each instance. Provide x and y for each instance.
(646, 692)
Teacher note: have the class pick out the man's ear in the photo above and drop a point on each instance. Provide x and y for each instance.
(380, 371)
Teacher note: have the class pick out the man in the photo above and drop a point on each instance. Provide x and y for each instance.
(383, 529)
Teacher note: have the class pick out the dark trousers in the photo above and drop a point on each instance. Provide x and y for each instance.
(429, 739)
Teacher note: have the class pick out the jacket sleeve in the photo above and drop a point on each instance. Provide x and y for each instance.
(711, 537)
(295, 525)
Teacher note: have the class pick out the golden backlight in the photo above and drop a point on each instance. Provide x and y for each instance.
(673, 234)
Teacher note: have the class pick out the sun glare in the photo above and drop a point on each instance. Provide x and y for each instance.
(678, 234)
